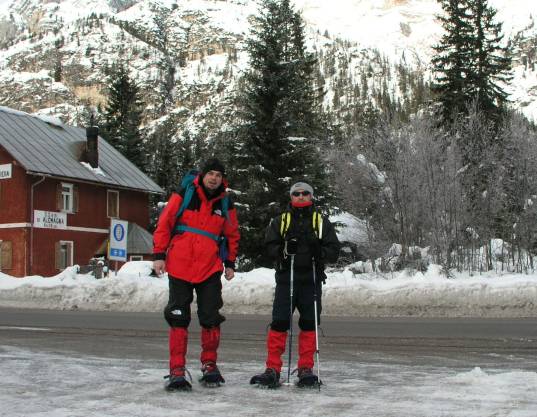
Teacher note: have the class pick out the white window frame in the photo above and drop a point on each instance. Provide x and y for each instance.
(136, 258)
(70, 244)
(68, 197)
(108, 192)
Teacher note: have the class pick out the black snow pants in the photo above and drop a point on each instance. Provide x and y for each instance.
(209, 300)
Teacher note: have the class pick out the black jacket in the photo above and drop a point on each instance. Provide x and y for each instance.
(301, 228)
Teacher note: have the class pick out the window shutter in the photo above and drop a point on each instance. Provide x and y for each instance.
(6, 255)
(75, 198)
(117, 205)
(112, 203)
(59, 197)
(57, 255)
(71, 252)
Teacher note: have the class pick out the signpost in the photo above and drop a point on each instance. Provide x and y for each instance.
(118, 241)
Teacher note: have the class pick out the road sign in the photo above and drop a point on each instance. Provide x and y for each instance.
(118, 240)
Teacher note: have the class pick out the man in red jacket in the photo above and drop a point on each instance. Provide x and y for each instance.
(187, 248)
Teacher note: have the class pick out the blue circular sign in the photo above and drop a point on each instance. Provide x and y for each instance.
(119, 232)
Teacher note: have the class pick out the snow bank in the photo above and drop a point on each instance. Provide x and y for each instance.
(70, 291)
(431, 295)
(345, 293)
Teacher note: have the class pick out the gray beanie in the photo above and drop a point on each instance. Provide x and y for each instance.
(301, 186)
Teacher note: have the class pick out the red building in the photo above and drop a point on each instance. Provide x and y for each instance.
(60, 186)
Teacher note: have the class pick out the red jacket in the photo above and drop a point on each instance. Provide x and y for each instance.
(191, 256)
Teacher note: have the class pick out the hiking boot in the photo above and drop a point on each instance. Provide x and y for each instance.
(177, 380)
(306, 378)
(268, 379)
(211, 376)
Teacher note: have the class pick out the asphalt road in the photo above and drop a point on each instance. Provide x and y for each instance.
(456, 342)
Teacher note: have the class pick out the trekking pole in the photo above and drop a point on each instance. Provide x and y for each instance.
(316, 326)
(290, 346)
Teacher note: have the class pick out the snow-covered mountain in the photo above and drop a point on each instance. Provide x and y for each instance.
(54, 54)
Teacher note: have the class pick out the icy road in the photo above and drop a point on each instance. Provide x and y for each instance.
(55, 364)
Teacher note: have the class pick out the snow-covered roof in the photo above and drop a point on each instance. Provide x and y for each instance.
(52, 149)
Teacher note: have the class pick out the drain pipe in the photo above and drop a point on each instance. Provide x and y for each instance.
(32, 223)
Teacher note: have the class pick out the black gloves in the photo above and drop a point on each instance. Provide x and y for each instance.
(290, 247)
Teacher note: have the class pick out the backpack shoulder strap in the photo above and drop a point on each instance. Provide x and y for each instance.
(225, 206)
(189, 192)
(187, 185)
(285, 221)
(318, 224)
(317, 219)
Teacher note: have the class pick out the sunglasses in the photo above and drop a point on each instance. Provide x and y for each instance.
(299, 193)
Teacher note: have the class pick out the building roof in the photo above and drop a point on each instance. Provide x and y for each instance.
(44, 147)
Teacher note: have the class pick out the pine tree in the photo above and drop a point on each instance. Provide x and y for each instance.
(58, 67)
(163, 166)
(491, 65)
(171, 155)
(166, 79)
(471, 66)
(123, 116)
(451, 59)
(470, 63)
(279, 123)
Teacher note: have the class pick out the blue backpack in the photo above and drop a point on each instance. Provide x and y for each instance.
(187, 184)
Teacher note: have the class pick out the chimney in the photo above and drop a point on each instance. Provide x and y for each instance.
(92, 148)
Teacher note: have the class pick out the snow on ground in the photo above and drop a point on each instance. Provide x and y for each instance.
(45, 385)
(427, 294)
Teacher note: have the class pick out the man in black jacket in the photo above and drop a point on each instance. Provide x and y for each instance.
(308, 239)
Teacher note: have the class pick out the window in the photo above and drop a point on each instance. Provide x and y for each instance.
(112, 203)
(136, 258)
(5, 255)
(67, 197)
(64, 254)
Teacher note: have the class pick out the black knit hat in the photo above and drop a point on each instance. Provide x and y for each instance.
(212, 164)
